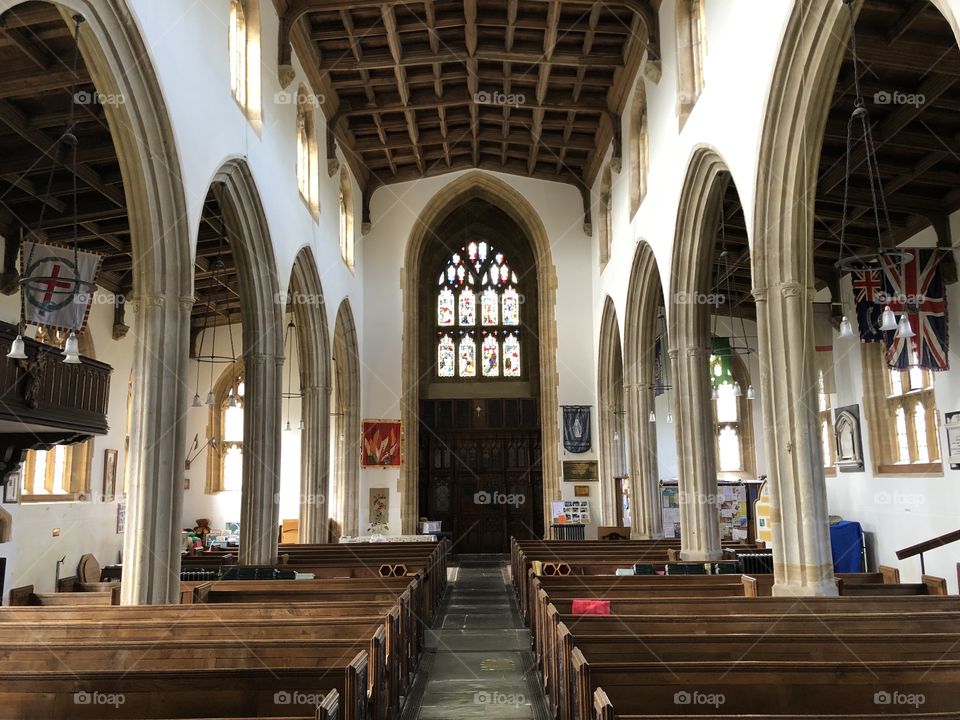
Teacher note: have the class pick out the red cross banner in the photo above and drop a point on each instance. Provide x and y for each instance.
(61, 285)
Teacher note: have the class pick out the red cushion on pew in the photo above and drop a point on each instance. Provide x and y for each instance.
(591, 607)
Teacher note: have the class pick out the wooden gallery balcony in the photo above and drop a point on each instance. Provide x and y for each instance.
(45, 402)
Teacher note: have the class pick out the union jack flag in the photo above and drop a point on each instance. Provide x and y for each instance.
(916, 288)
(867, 288)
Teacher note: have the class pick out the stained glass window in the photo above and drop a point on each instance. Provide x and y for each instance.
(491, 315)
(491, 357)
(468, 357)
(511, 356)
(477, 279)
(511, 306)
(468, 307)
(446, 357)
(445, 308)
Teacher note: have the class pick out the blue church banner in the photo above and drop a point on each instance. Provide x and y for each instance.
(576, 428)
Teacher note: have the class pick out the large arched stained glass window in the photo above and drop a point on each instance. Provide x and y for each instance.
(478, 315)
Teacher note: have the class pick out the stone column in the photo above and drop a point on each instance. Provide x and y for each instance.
(803, 563)
(696, 453)
(259, 504)
(151, 543)
(314, 464)
(644, 469)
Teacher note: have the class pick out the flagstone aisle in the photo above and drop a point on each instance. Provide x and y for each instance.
(477, 662)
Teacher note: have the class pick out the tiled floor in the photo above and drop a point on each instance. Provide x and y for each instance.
(478, 662)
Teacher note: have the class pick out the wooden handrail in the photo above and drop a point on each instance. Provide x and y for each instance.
(931, 544)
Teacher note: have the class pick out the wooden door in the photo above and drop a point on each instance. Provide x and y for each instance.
(480, 472)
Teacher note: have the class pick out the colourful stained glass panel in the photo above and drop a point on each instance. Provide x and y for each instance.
(490, 307)
(511, 356)
(445, 308)
(468, 307)
(468, 357)
(491, 357)
(511, 306)
(446, 357)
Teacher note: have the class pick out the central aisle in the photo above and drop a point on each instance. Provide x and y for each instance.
(477, 662)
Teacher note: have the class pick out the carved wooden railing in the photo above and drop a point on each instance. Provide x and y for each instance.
(44, 401)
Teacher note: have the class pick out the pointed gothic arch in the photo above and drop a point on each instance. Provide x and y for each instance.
(701, 205)
(797, 109)
(644, 300)
(479, 185)
(116, 58)
(346, 425)
(262, 331)
(611, 416)
(305, 298)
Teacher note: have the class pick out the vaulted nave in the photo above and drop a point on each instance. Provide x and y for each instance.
(439, 359)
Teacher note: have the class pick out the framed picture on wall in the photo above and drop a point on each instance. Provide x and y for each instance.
(581, 491)
(109, 475)
(381, 444)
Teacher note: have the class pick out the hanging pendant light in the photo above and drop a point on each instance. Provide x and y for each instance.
(71, 350)
(751, 395)
(737, 391)
(715, 395)
(291, 347)
(846, 328)
(903, 327)
(232, 401)
(288, 428)
(196, 401)
(652, 417)
(300, 426)
(888, 321)
(669, 417)
(211, 399)
(17, 349)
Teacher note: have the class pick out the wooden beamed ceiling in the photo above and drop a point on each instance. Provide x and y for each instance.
(909, 77)
(529, 87)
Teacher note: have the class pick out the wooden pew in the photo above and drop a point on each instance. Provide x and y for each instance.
(138, 682)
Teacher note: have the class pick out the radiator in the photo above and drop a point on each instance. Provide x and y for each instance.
(567, 531)
(756, 563)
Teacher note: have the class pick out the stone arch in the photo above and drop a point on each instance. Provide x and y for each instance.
(797, 108)
(305, 298)
(116, 58)
(346, 425)
(701, 204)
(611, 410)
(478, 184)
(261, 306)
(644, 298)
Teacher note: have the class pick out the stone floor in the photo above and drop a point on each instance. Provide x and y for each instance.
(477, 662)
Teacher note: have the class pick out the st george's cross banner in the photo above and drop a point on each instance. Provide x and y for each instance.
(61, 285)
(916, 288)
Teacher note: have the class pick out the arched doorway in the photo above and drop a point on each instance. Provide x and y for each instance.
(345, 427)
(512, 209)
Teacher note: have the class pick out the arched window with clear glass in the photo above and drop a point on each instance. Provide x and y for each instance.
(478, 315)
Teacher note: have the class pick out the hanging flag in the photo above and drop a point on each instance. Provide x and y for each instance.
(63, 285)
(823, 344)
(658, 374)
(916, 288)
(867, 288)
(576, 428)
